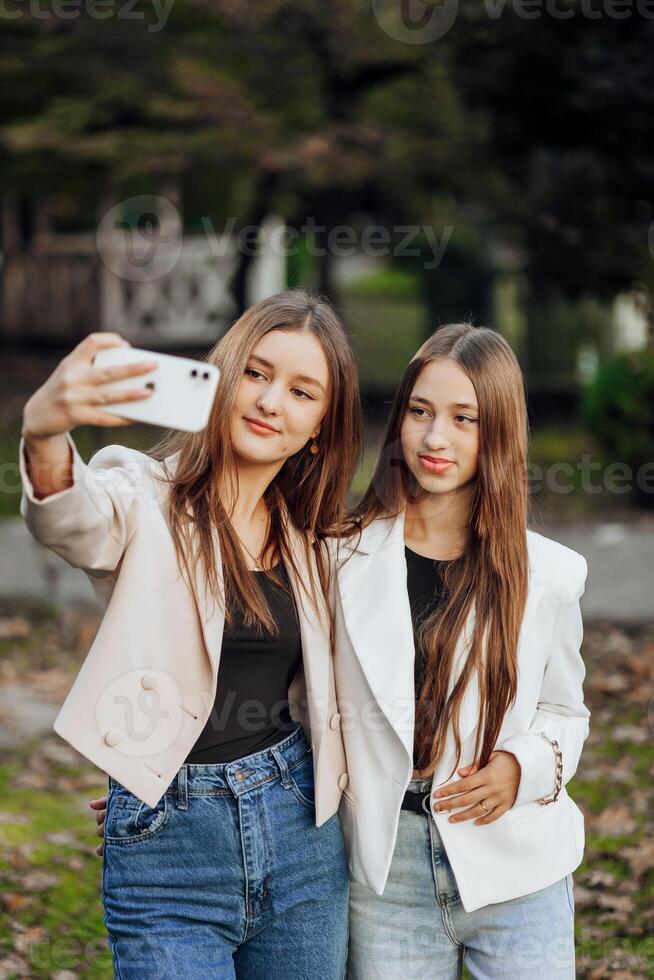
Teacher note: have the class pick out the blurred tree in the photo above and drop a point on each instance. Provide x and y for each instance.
(532, 131)
(570, 102)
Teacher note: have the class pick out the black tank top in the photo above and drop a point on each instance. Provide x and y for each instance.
(250, 711)
(425, 585)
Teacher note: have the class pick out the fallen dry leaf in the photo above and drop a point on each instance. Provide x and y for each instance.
(599, 878)
(14, 629)
(13, 966)
(611, 683)
(614, 821)
(13, 901)
(640, 857)
(39, 881)
(635, 734)
(23, 941)
(617, 903)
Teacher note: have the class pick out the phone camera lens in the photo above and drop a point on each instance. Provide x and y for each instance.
(194, 373)
(150, 385)
(205, 375)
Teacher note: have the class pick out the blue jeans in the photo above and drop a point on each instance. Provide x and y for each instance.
(418, 928)
(228, 876)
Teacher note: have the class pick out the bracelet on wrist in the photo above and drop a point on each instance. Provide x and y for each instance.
(558, 775)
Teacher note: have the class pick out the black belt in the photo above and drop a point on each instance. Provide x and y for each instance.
(417, 802)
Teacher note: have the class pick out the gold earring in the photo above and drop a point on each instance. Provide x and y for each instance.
(313, 448)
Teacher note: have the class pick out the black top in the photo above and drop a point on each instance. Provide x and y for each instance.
(425, 584)
(250, 711)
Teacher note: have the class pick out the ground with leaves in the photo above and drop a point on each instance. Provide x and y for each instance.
(51, 913)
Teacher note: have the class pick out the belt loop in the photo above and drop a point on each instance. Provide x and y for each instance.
(182, 789)
(283, 768)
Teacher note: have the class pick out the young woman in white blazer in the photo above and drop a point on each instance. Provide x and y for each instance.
(208, 693)
(459, 682)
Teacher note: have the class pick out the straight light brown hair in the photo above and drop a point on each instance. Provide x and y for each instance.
(492, 572)
(309, 490)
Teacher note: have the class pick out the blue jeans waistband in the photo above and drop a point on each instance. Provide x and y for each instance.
(240, 776)
(420, 785)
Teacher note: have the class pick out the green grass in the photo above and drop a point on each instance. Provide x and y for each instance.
(390, 283)
(67, 917)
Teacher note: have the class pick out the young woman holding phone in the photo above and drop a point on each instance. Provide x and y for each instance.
(459, 681)
(208, 693)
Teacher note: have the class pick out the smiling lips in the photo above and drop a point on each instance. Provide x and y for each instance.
(261, 428)
(435, 464)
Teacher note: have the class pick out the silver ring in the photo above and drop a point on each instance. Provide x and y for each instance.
(484, 808)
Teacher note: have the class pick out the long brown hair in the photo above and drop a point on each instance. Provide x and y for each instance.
(492, 573)
(309, 489)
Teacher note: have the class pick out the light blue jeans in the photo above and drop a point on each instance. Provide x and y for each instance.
(418, 928)
(228, 876)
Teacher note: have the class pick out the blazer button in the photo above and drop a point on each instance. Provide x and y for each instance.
(113, 737)
(149, 682)
(343, 781)
(334, 721)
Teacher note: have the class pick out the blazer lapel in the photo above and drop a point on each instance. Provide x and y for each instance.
(373, 591)
(314, 629)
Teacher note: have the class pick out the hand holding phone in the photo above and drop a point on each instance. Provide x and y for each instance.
(181, 390)
(72, 395)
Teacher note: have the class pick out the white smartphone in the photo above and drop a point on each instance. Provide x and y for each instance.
(183, 389)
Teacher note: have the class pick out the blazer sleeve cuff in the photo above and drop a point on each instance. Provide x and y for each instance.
(77, 469)
(537, 765)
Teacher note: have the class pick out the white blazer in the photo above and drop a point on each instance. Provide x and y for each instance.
(148, 683)
(532, 845)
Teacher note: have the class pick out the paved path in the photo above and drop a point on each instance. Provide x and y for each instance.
(620, 584)
(620, 558)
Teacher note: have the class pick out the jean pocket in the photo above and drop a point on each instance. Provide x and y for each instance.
(302, 781)
(570, 889)
(129, 820)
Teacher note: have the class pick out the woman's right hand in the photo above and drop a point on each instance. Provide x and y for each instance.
(100, 806)
(73, 395)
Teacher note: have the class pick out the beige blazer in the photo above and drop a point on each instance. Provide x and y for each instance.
(148, 683)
